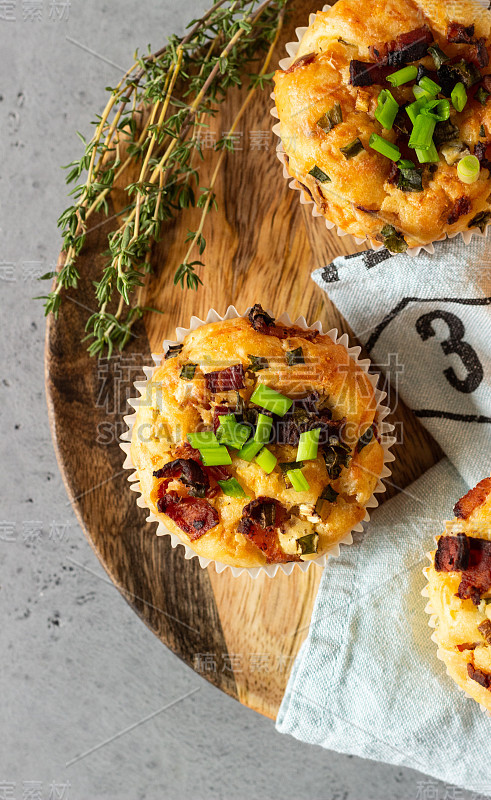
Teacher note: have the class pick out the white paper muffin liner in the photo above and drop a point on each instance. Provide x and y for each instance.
(384, 429)
(306, 199)
(432, 623)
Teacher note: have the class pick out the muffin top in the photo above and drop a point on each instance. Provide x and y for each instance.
(459, 589)
(256, 442)
(385, 118)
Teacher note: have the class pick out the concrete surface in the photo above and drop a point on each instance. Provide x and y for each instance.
(78, 668)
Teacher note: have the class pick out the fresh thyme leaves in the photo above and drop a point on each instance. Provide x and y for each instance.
(151, 126)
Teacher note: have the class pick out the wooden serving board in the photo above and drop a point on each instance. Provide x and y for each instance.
(241, 634)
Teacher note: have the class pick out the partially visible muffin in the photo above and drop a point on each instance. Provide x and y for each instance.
(459, 591)
(257, 443)
(357, 160)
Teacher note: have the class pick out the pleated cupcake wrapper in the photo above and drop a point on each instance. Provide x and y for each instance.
(306, 199)
(432, 623)
(384, 428)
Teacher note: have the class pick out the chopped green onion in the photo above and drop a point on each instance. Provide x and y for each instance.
(215, 456)
(298, 480)
(439, 57)
(480, 221)
(319, 175)
(272, 401)
(430, 86)
(187, 372)
(405, 163)
(328, 495)
(331, 118)
(384, 147)
(414, 109)
(309, 544)
(263, 429)
(295, 357)
(266, 460)
(482, 131)
(482, 95)
(232, 433)
(308, 445)
(173, 350)
(250, 450)
(438, 109)
(232, 488)
(352, 149)
(403, 75)
(387, 109)
(365, 439)
(429, 156)
(422, 134)
(468, 169)
(459, 97)
(422, 94)
(257, 363)
(410, 179)
(393, 241)
(203, 440)
(287, 465)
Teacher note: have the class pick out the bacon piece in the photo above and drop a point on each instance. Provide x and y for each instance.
(467, 646)
(460, 34)
(225, 380)
(364, 73)
(186, 470)
(473, 499)
(194, 515)
(407, 47)
(301, 62)
(253, 525)
(485, 629)
(478, 53)
(478, 675)
(219, 411)
(471, 557)
(262, 322)
(480, 149)
(461, 207)
(486, 83)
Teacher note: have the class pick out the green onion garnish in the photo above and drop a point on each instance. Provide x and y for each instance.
(272, 401)
(250, 450)
(384, 147)
(438, 109)
(287, 465)
(298, 480)
(403, 75)
(215, 456)
(173, 350)
(266, 460)
(387, 109)
(430, 86)
(352, 149)
(482, 95)
(232, 433)
(257, 363)
(203, 440)
(429, 156)
(319, 175)
(422, 134)
(459, 97)
(405, 163)
(308, 445)
(422, 94)
(263, 429)
(232, 488)
(439, 57)
(482, 131)
(328, 495)
(187, 372)
(295, 357)
(331, 118)
(414, 109)
(393, 241)
(308, 544)
(410, 179)
(365, 439)
(468, 169)
(480, 221)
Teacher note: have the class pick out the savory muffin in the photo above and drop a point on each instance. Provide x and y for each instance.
(459, 591)
(385, 118)
(257, 443)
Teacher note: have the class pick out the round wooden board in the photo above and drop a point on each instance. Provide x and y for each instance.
(239, 633)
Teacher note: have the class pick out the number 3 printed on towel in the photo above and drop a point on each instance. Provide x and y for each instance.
(454, 344)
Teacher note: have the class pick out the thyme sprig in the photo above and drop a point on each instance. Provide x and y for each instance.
(151, 127)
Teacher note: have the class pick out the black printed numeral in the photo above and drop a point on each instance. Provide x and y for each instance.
(454, 344)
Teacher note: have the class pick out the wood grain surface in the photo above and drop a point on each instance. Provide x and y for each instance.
(239, 633)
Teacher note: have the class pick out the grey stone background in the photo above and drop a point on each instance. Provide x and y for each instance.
(78, 668)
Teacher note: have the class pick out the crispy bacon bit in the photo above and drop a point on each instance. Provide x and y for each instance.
(478, 54)
(186, 470)
(393, 173)
(467, 646)
(485, 629)
(260, 521)
(459, 34)
(473, 499)
(480, 150)
(301, 62)
(367, 210)
(194, 515)
(262, 322)
(219, 411)
(461, 207)
(478, 675)
(364, 73)
(225, 380)
(471, 557)
(486, 83)
(407, 47)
